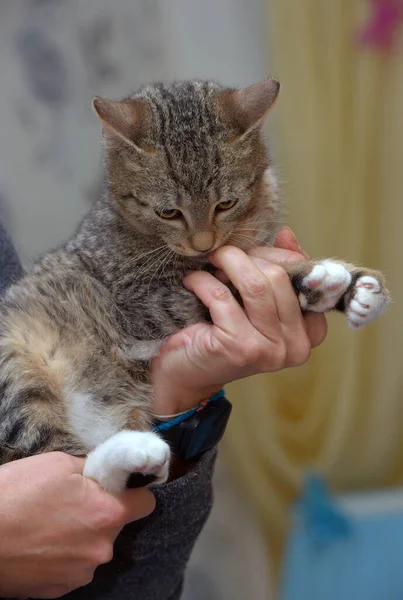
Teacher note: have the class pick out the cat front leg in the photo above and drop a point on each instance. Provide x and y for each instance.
(331, 284)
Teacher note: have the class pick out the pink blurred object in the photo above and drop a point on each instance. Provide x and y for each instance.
(385, 21)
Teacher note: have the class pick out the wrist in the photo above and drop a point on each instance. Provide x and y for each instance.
(170, 402)
(194, 431)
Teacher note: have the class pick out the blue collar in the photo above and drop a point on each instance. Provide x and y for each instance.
(165, 425)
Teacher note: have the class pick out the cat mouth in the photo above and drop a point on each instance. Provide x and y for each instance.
(195, 254)
(203, 255)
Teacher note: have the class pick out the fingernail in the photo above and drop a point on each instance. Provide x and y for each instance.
(301, 251)
(294, 239)
(292, 234)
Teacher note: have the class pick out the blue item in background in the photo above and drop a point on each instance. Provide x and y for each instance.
(345, 548)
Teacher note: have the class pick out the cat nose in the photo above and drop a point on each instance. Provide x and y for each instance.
(203, 241)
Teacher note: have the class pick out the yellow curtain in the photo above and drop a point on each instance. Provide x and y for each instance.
(338, 133)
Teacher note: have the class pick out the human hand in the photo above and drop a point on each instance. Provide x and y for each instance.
(56, 526)
(269, 335)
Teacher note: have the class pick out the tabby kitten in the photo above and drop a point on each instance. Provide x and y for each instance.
(187, 171)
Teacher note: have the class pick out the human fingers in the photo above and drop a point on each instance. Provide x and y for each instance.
(287, 304)
(284, 250)
(297, 344)
(225, 311)
(255, 286)
(286, 239)
(316, 327)
(136, 504)
(276, 255)
(111, 512)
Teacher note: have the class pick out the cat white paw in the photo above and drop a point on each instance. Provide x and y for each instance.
(112, 462)
(367, 303)
(329, 280)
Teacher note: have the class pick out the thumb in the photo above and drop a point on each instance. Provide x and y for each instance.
(137, 503)
(286, 240)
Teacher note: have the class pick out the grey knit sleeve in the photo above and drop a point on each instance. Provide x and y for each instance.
(151, 555)
(10, 266)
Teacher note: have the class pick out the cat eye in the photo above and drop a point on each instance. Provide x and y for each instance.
(169, 213)
(226, 204)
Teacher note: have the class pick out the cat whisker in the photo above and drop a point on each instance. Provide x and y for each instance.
(256, 243)
(155, 258)
(140, 256)
(152, 255)
(175, 262)
(160, 266)
(271, 233)
(245, 232)
(252, 227)
(251, 237)
(251, 241)
(247, 241)
(255, 230)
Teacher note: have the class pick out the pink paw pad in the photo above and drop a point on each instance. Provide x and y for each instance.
(316, 277)
(370, 283)
(329, 278)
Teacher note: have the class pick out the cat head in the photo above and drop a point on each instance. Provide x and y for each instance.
(186, 163)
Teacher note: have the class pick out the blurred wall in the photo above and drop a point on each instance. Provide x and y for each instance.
(55, 55)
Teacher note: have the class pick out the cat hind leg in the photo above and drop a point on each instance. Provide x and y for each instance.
(125, 453)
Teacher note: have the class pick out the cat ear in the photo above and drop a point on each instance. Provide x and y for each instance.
(127, 121)
(246, 109)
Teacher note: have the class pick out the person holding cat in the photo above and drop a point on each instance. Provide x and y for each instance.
(166, 292)
(57, 527)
